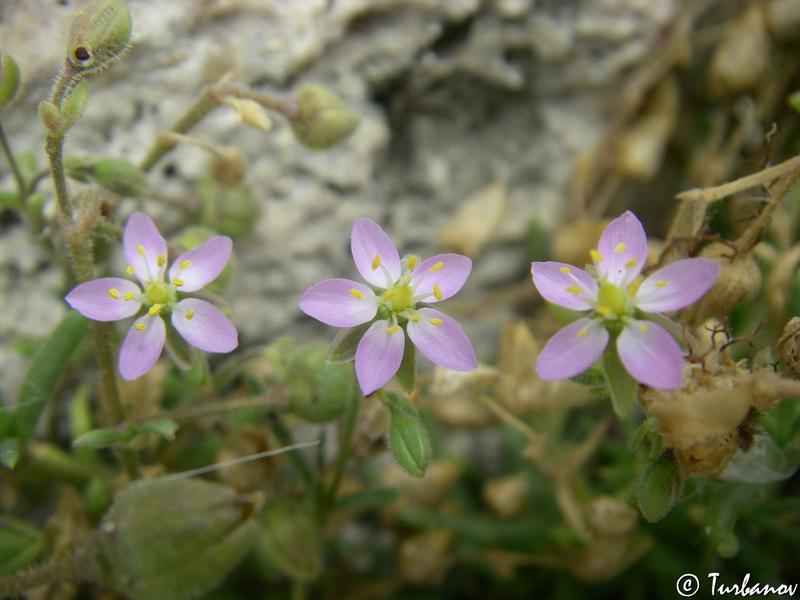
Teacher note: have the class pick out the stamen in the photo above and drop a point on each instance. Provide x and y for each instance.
(573, 289)
(435, 321)
(582, 332)
(660, 284)
(630, 262)
(177, 282)
(160, 260)
(128, 295)
(140, 250)
(416, 318)
(437, 292)
(595, 256)
(643, 328)
(189, 313)
(356, 293)
(437, 266)
(155, 309)
(113, 293)
(129, 270)
(376, 262)
(565, 269)
(619, 247)
(388, 295)
(392, 329)
(140, 327)
(604, 310)
(412, 261)
(184, 264)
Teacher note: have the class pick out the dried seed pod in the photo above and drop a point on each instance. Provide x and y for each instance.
(610, 518)
(788, 347)
(783, 19)
(739, 280)
(739, 62)
(506, 495)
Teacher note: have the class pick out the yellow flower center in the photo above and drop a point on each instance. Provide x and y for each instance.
(158, 293)
(399, 297)
(611, 300)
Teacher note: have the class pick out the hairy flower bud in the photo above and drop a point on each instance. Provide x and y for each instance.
(9, 80)
(739, 280)
(174, 539)
(100, 34)
(322, 120)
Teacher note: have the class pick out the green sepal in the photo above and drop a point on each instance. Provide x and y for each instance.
(660, 487)
(43, 375)
(645, 442)
(343, 347)
(74, 104)
(181, 352)
(622, 388)
(407, 373)
(408, 438)
(9, 80)
(289, 540)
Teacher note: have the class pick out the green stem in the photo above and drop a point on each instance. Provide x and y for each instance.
(54, 146)
(76, 567)
(287, 106)
(12, 163)
(344, 453)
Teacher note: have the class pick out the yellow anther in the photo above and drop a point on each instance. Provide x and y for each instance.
(376, 262)
(177, 282)
(160, 260)
(356, 293)
(565, 269)
(416, 318)
(595, 255)
(140, 250)
(189, 314)
(155, 309)
(184, 264)
(437, 292)
(604, 310)
(582, 332)
(643, 328)
(435, 321)
(140, 327)
(437, 266)
(660, 284)
(113, 293)
(129, 270)
(128, 295)
(412, 261)
(388, 295)
(619, 247)
(630, 262)
(392, 329)
(573, 289)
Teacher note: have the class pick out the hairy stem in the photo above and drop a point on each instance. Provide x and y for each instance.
(12, 164)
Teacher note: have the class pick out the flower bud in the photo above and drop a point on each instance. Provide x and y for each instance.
(739, 280)
(99, 34)
(118, 176)
(407, 437)
(175, 539)
(739, 62)
(322, 120)
(74, 104)
(9, 80)
(660, 487)
(50, 116)
(289, 539)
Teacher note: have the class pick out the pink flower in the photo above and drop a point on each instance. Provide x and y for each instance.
(394, 295)
(112, 298)
(619, 307)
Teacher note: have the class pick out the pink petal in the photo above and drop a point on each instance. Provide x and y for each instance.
(368, 241)
(141, 348)
(447, 271)
(334, 302)
(677, 285)
(204, 326)
(96, 299)
(202, 265)
(572, 350)
(378, 356)
(554, 280)
(650, 354)
(623, 250)
(143, 245)
(441, 341)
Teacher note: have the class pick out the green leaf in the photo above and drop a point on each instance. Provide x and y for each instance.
(660, 487)
(164, 428)
(409, 441)
(622, 388)
(103, 438)
(9, 199)
(728, 502)
(645, 442)
(20, 544)
(343, 347)
(45, 371)
(407, 373)
(9, 452)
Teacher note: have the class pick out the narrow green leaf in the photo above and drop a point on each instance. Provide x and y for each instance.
(103, 438)
(343, 347)
(660, 487)
(164, 428)
(409, 441)
(48, 365)
(9, 452)
(622, 388)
